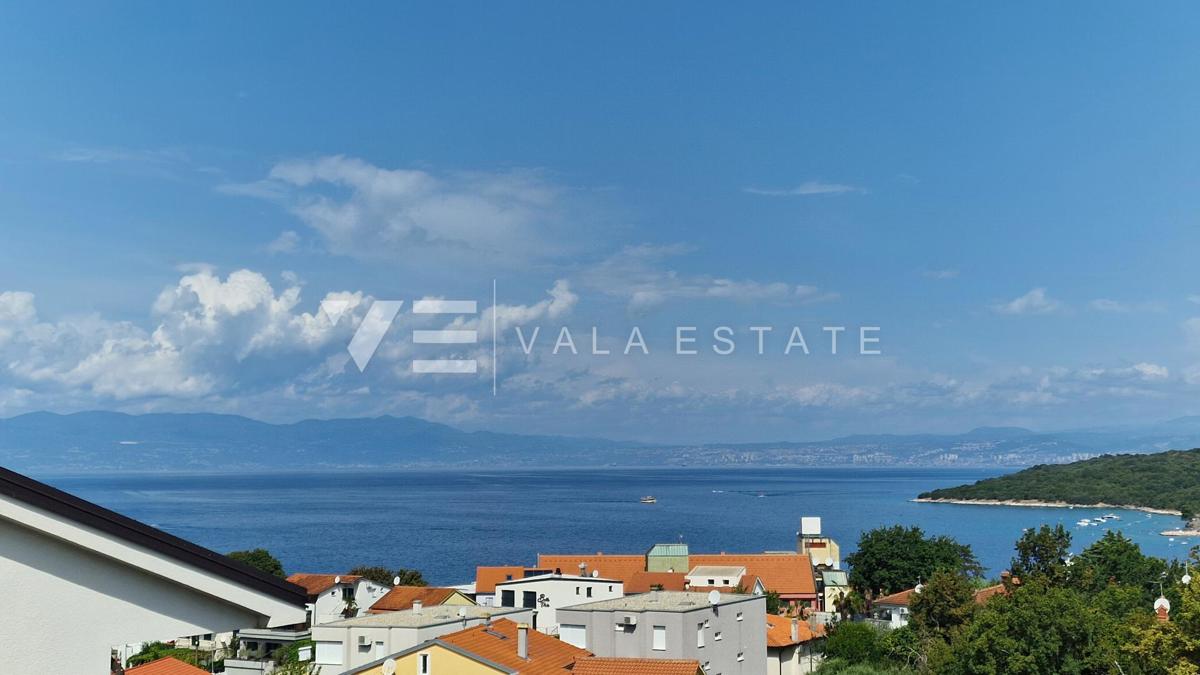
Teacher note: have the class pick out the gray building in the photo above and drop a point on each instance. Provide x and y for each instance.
(728, 637)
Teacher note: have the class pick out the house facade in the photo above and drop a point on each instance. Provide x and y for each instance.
(83, 579)
(726, 638)
(333, 597)
(545, 594)
(351, 643)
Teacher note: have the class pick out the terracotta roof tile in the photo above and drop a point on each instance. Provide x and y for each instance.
(166, 666)
(402, 597)
(982, 595)
(547, 655)
(784, 573)
(902, 598)
(316, 584)
(621, 567)
(779, 631)
(595, 665)
(644, 582)
(486, 578)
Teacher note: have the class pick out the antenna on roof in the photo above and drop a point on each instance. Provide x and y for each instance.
(595, 573)
(714, 597)
(395, 581)
(337, 580)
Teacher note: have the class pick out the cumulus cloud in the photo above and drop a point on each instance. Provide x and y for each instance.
(1035, 301)
(806, 189)
(205, 331)
(287, 242)
(359, 209)
(637, 274)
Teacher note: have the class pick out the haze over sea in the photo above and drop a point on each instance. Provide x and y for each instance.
(444, 523)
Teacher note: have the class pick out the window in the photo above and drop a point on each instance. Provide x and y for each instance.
(660, 639)
(589, 591)
(529, 599)
(573, 634)
(610, 589)
(576, 590)
(717, 636)
(741, 656)
(700, 634)
(347, 593)
(725, 581)
(423, 665)
(712, 582)
(739, 616)
(508, 599)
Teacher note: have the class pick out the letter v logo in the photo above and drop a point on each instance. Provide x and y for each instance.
(370, 332)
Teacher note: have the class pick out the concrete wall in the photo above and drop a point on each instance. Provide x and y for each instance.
(66, 607)
(747, 636)
(561, 591)
(338, 647)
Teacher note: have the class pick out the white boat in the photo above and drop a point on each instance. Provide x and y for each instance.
(648, 499)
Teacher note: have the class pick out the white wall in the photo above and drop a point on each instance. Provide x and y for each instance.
(560, 591)
(65, 607)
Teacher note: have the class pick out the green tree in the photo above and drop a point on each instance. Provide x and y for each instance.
(411, 577)
(891, 559)
(380, 575)
(153, 651)
(1036, 629)
(1042, 552)
(774, 603)
(945, 602)
(853, 642)
(1115, 560)
(261, 559)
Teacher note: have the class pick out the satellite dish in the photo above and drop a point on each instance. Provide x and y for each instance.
(395, 581)
(714, 597)
(918, 588)
(595, 573)
(829, 561)
(337, 580)
(1187, 579)
(389, 667)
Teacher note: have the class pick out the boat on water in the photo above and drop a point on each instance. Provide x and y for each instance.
(648, 499)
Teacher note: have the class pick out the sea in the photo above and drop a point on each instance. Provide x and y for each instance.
(446, 522)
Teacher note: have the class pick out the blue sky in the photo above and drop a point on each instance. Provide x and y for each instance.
(1008, 192)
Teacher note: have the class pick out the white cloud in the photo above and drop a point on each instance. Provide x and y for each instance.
(206, 330)
(1035, 301)
(287, 242)
(1121, 307)
(363, 210)
(636, 273)
(807, 188)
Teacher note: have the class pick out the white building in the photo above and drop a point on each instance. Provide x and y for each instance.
(545, 593)
(726, 633)
(349, 643)
(715, 576)
(80, 580)
(333, 597)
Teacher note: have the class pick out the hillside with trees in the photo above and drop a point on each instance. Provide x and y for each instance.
(1165, 480)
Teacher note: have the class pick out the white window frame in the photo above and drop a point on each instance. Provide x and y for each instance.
(658, 638)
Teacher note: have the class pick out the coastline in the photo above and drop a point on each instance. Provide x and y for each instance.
(1046, 504)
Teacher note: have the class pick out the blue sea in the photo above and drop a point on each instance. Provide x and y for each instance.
(444, 523)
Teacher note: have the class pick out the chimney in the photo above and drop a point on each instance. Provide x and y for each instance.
(523, 640)
(795, 630)
(417, 605)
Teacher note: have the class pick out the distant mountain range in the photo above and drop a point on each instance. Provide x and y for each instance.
(107, 441)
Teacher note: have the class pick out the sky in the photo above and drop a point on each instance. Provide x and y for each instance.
(1008, 193)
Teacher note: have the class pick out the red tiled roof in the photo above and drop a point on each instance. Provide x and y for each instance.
(166, 666)
(402, 597)
(547, 655)
(316, 584)
(902, 598)
(595, 665)
(620, 567)
(486, 578)
(785, 573)
(779, 631)
(644, 582)
(982, 595)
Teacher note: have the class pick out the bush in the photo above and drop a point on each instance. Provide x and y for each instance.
(853, 642)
